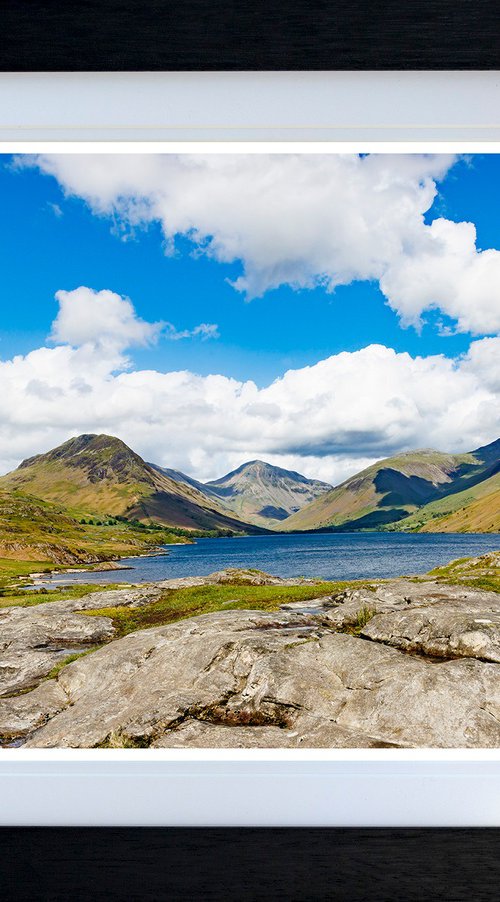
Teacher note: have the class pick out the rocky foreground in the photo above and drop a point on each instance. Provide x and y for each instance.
(404, 663)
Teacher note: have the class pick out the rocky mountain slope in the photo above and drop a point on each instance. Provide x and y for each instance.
(397, 664)
(392, 489)
(261, 493)
(101, 474)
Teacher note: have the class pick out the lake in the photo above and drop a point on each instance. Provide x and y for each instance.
(334, 556)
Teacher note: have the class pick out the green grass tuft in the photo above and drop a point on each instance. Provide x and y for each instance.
(23, 598)
(361, 618)
(56, 670)
(178, 604)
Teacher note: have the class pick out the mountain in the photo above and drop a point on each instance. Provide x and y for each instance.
(178, 476)
(420, 490)
(257, 492)
(101, 474)
(260, 493)
(476, 509)
(392, 489)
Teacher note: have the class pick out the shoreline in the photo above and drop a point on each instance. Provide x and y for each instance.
(113, 564)
(331, 566)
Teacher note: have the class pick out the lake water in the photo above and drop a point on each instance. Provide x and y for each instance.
(334, 556)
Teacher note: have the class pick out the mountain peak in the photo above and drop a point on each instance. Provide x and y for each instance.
(259, 492)
(252, 466)
(96, 458)
(89, 450)
(100, 474)
(261, 468)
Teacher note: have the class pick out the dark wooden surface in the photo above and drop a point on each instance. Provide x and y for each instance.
(239, 865)
(44, 35)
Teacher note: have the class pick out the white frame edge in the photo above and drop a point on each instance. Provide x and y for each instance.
(250, 106)
(236, 794)
(455, 788)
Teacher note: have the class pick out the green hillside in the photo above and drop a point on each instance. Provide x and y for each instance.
(392, 490)
(474, 510)
(36, 531)
(102, 475)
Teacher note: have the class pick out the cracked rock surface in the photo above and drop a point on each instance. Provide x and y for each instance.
(431, 619)
(409, 664)
(34, 639)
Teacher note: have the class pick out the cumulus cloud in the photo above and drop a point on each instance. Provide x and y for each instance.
(100, 317)
(446, 271)
(328, 420)
(105, 319)
(303, 220)
(483, 360)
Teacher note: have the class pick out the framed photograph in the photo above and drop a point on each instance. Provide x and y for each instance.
(249, 496)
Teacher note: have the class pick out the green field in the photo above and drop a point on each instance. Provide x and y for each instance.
(479, 573)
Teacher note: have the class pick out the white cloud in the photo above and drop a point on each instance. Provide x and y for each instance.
(303, 220)
(109, 321)
(203, 331)
(100, 317)
(483, 360)
(446, 271)
(56, 209)
(327, 420)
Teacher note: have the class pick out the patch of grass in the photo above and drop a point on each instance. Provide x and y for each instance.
(486, 583)
(11, 570)
(178, 604)
(479, 573)
(56, 670)
(118, 740)
(360, 619)
(23, 598)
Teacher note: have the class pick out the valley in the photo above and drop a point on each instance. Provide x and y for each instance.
(93, 499)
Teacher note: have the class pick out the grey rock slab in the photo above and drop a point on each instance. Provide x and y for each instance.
(21, 715)
(440, 632)
(34, 639)
(197, 734)
(419, 617)
(136, 596)
(279, 681)
(246, 577)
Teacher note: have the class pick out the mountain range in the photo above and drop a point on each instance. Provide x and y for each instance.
(258, 492)
(422, 490)
(101, 474)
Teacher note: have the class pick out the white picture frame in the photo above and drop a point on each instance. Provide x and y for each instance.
(365, 111)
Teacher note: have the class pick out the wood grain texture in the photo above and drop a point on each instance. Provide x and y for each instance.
(248, 865)
(142, 35)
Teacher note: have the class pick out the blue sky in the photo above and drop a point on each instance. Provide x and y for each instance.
(356, 300)
(49, 242)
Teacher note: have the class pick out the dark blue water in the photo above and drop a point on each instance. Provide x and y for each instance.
(327, 555)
